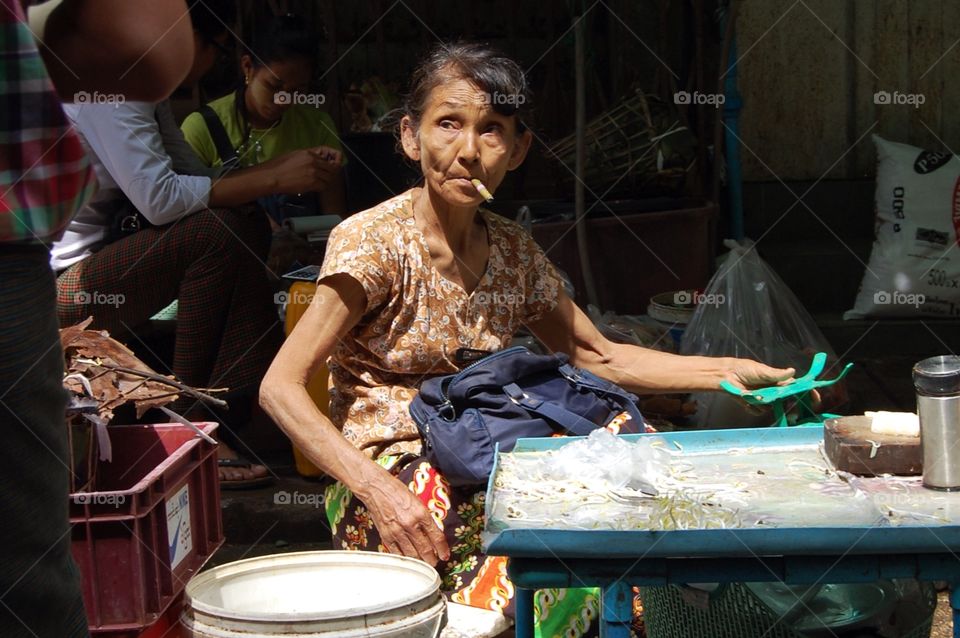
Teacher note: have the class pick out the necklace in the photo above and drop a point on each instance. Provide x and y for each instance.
(251, 151)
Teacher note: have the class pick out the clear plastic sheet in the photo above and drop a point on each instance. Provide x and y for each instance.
(904, 501)
(606, 482)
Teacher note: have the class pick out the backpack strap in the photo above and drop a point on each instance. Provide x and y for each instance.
(602, 387)
(589, 381)
(573, 423)
(228, 154)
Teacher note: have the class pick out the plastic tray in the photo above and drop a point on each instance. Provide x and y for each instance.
(151, 526)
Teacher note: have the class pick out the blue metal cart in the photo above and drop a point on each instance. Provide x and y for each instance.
(618, 560)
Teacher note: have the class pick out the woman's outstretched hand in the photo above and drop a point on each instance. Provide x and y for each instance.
(747, 374)
(405, 525)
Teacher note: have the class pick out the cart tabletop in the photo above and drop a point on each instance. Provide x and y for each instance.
(735, 492)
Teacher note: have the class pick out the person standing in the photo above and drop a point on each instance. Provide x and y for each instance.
(44, 178)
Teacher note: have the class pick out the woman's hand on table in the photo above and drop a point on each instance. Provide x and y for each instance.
(406, 527)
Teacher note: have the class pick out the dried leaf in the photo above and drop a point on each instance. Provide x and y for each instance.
(94, 354)
(96, 357)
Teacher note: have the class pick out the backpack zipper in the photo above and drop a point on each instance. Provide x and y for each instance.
(489, 357)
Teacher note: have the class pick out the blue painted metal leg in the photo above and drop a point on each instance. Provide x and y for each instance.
(524, 610)
(955, 605)
(616, 611)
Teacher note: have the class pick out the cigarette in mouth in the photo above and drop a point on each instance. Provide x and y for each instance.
(487, 195)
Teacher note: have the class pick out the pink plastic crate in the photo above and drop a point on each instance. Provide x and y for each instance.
(152, 524)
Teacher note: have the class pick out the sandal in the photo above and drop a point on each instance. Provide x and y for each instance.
(242, 484)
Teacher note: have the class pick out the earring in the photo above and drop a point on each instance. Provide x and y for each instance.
(246, 79)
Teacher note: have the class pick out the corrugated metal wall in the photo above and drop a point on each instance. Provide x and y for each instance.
(809, 71)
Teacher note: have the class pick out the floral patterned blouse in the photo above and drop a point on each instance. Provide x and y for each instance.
(416, 319)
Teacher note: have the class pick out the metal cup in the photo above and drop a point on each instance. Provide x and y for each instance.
(937, 381)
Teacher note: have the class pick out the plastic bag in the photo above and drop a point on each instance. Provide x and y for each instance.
(747, 311)
(608, 460)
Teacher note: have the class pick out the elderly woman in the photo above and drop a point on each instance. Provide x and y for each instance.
(408, 283)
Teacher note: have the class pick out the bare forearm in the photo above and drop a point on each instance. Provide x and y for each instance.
(302, 171)
(243, 186)
(289, 405)
(567, 329)
(645, 371)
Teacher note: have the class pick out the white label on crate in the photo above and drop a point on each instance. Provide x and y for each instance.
(178, 526)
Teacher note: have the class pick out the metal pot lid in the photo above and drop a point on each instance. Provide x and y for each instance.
(938, 376)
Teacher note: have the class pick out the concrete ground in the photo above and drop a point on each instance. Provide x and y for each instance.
(290, 512)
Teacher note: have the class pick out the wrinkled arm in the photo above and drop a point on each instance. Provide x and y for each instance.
(641, 370)
(337, 306)
(404, 524)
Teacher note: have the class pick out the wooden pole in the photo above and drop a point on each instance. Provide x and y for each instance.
(580, 169)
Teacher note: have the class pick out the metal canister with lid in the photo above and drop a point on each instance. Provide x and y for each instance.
(937, 381)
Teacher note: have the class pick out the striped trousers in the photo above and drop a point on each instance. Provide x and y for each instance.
(213, 261)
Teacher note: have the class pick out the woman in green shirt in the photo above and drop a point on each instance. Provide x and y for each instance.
(273, 112)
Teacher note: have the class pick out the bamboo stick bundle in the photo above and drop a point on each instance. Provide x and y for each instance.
(639, 142)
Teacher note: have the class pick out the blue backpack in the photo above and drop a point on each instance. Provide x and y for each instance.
(508, 395)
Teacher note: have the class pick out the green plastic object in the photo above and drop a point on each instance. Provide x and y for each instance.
(169, 313)
(776, 396)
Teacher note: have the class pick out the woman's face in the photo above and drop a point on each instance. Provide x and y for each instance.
(460, 137)
(271, 88)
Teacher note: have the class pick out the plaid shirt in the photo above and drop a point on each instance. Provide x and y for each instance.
(44, 174)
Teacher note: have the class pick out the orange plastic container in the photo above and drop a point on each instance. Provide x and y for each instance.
(298, 299)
